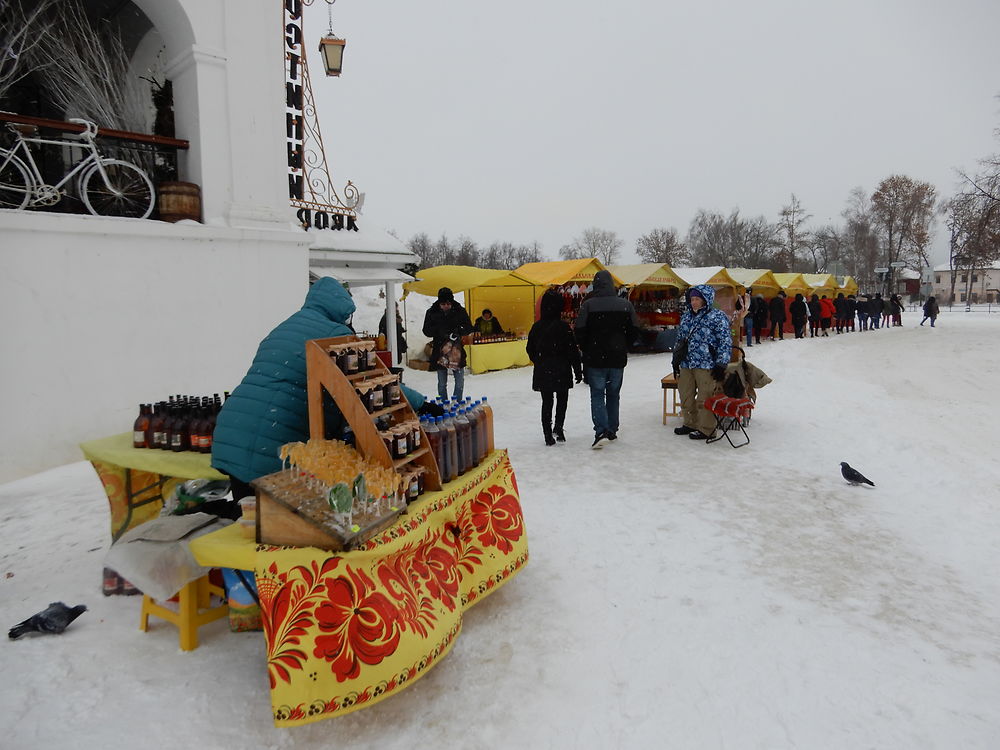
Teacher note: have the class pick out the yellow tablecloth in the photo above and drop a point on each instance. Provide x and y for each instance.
(345, 630)
(499, 356)
(136, 480)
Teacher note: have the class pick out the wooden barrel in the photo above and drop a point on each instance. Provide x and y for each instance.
(179, 200)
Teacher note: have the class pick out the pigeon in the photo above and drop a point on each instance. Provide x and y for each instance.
(53, 619)
(854, 476)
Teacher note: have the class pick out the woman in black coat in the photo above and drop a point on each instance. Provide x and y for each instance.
(758, 309)
(552, 349)
(799, 315)
(814, 311)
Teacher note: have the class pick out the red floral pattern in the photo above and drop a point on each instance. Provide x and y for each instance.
(496, 515)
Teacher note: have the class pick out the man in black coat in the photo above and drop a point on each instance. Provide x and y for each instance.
(777, 310)
(445, 323)
(605, 327)
(758, 309)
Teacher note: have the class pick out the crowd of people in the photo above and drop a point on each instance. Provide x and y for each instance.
(818, 314)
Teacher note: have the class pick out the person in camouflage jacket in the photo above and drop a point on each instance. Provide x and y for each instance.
(710, 347)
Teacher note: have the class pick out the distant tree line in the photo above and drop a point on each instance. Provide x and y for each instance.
(893, 224)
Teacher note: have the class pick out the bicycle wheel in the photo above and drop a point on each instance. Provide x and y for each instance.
(15, 184)
(126, 192)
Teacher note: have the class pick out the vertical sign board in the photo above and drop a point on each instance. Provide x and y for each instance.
(297, 90)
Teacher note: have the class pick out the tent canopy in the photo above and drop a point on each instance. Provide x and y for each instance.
(821, 283)
(792, 283)
(759, 279)
(647, 274)
(557, 272)
(714, 276)
(849, 286)
(506, 293)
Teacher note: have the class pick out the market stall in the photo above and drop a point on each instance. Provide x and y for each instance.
(506, 293)
(823, 284)
(848, 286)
(655, 292)
(760, 280)
(717, 277)
(792, 284)
(571, 278)
(365, 560)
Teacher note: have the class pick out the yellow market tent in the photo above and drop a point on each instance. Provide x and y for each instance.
(848, 286)
(726, 287)
(760, 280)
(822, 284)
(647, 274)
(559, 272)
(792, 284)
(506, 293)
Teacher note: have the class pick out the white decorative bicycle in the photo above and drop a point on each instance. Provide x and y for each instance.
(107, 187)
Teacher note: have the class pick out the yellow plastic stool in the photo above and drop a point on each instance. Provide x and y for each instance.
(193, 598)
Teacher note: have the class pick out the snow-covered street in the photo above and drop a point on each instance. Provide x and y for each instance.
(678, 595)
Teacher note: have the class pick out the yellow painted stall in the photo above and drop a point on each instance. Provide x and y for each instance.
(823, 284)
(571, 278)
(760, 280)
(792, 284)
(848, 286)
(655, 292)
(507, 293)
(725, 286)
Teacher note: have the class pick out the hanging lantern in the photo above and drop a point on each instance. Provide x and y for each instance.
(332, 50)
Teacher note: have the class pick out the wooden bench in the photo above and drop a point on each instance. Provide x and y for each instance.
(669, 383)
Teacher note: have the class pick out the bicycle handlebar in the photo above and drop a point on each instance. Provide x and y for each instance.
(90, 129)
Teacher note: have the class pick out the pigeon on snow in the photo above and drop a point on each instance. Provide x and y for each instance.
(53, 619)
(854, 476)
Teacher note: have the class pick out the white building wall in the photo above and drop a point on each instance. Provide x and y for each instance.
(98, 315)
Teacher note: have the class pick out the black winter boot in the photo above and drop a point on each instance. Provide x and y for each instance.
(547, 431)
(559, 434)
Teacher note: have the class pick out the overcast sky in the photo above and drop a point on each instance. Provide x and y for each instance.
(532, 120)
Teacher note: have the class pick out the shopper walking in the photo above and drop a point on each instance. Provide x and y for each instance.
(875, 310)
(931, 311)
(706, 333)
(553, 351)
(826, 313)
(840, 312)
(758, 311)
(896, 310)
(776, 308)
(851, 310)
(800, 313)
(445, 323)
(606, 325)
(862, 310)
(814, 315)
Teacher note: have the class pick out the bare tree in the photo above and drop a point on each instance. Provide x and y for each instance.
(597, 243)
(794, 239)
(755, 244)
(860, 240)
(467, 253)
(23, 24)
(662, 246)
(92, 79)
(903, 209)
(716, 240)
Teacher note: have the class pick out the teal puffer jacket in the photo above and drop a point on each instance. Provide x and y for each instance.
(269, 407)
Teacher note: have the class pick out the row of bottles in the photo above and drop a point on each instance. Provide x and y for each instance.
(182, 423)
(462, 438)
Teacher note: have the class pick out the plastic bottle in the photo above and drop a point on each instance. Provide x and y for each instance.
(449, 449)
(464, 431)
(476, 434)
(488, 414)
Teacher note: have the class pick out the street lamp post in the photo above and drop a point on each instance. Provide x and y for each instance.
(331, 46)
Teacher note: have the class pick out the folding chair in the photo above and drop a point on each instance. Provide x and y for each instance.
(730, 414)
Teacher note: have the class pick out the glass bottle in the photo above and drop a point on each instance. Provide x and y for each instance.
(140, 427)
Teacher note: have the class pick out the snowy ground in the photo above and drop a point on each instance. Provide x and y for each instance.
(678, 595)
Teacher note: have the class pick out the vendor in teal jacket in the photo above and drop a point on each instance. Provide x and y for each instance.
(269, 407)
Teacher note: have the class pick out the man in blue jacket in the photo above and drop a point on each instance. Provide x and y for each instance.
(605, 327)
(269, 407)
(709, 348)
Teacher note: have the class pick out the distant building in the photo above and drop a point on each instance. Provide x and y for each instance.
(984, 285)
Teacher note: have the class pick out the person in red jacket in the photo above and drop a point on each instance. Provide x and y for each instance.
(826, 312)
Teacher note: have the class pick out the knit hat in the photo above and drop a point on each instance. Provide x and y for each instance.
(697, 293)
(445, 295)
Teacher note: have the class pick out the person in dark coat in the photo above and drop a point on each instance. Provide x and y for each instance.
(931, 311)
(852, 308)
(875, 310)
(758, 309)
(488, 324)
(862, 310)
(606, 325)
(799, 313)
(840, 312)
(896, 310)
(269, 407)
(553, 351)
(400, 338)
(445, 323)
(814, 313)
(776, 308)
